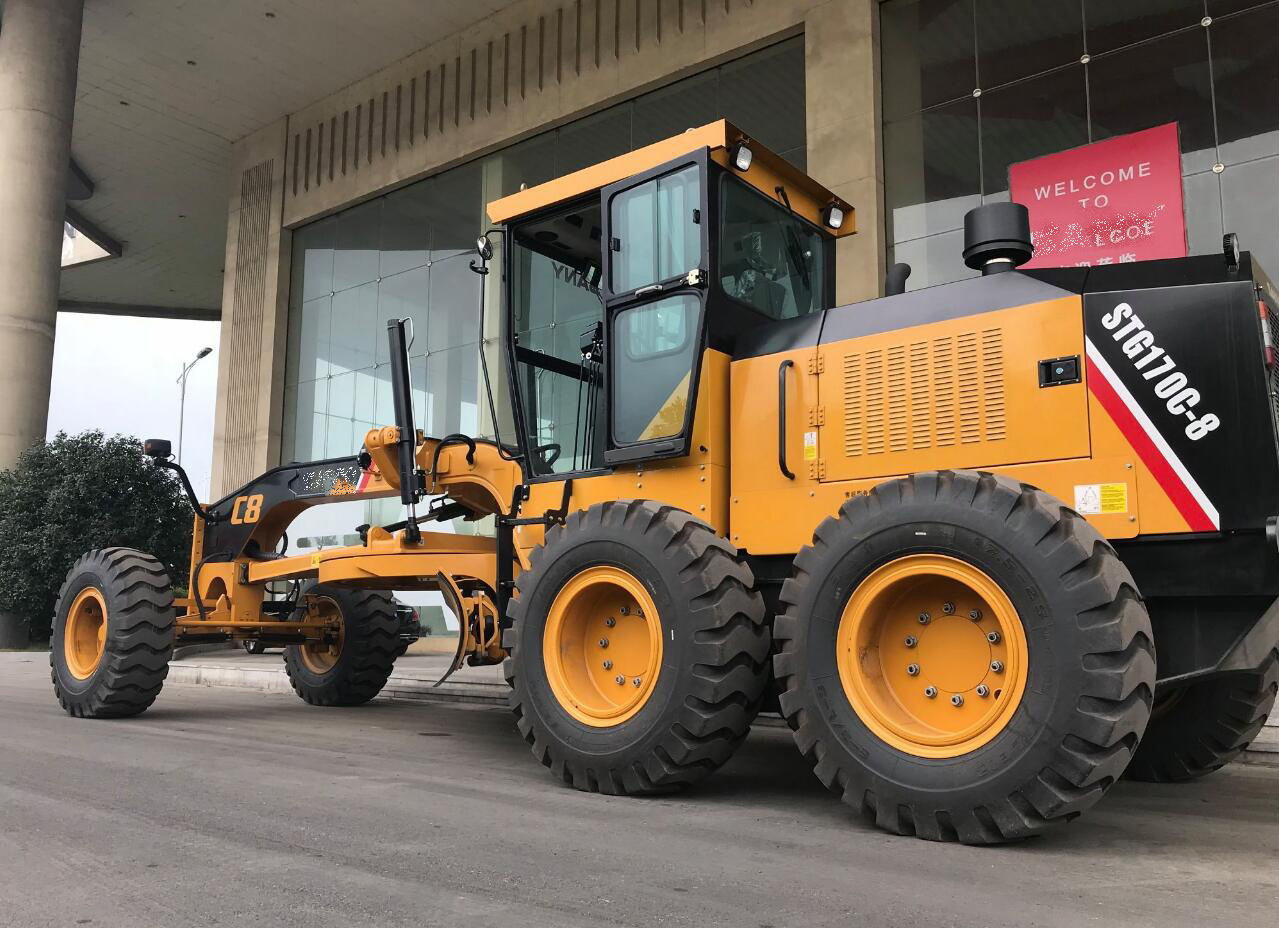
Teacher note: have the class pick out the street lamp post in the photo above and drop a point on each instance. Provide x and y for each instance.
(182, 404)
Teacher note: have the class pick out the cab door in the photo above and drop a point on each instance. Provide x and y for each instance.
(656, 252)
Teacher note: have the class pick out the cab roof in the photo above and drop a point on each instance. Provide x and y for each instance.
(768, 172)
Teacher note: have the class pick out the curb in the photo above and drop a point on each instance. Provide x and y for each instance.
(269, 680)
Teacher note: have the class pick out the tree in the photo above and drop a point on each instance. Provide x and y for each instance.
(75, 493)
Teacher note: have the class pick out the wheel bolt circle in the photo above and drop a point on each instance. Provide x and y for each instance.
(912, 669)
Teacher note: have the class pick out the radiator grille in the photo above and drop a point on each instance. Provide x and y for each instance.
(925, 394)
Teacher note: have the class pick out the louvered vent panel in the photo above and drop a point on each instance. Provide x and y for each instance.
(969, 389)
(853, 421)
(944, 391)
(898, 415)
(992, 384)
(921, 395)
(921, 432)
(874, 402)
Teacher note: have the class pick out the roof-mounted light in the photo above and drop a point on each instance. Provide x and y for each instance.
(742, 157)
(833, 216)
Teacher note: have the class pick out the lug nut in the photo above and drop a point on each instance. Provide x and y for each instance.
(619, 679)
(992, 637)
(637, 681)
(948, 608)
(608, 665)
(957, 700)
(912, 669)
(983, 690)
(603, 642)
(974, 614)
(930, 691)
(924, 618)
(624, 611)
(997, 666)
(639, 612)
(911, 641)
(610, 621)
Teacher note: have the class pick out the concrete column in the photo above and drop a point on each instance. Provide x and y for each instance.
(39, 55)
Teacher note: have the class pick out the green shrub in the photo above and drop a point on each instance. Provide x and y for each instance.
(75, 493)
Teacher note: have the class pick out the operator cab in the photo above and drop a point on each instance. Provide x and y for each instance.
(619, 277)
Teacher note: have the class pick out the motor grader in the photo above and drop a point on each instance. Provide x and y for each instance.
(986, 546)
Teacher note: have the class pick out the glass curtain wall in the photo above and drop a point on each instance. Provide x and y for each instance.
(972, 86)
(407, 254)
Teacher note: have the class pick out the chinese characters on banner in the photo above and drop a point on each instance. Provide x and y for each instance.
(1107, 203)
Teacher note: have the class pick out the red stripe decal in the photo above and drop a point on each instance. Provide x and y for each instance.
(364, 482)
(1151, 456)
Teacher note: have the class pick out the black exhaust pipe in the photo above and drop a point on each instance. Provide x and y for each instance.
(895, 279)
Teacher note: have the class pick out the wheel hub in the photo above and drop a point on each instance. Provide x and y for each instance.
(602, 646)
(86, 633)
(932, 655)
(321, 656)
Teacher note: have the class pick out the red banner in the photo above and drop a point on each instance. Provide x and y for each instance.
(1107, 203)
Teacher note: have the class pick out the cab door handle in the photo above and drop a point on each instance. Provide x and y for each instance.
(781, 419)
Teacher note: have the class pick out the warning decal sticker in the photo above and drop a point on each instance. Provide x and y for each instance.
(1093, 499)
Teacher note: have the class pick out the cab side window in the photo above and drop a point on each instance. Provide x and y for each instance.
(655, 230)
(769, 259)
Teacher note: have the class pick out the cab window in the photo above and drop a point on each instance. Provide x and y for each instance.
(770, 260)
(654, 346)
(654, 228)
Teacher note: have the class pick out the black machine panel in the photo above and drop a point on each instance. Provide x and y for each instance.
(1182, 370)
(260, 510)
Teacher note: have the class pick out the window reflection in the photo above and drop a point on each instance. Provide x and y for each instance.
(1149, 62)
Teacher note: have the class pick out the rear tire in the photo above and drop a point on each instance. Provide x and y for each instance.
(707, 649)
(363, 662)
(1087, 656)
(1204, 726)
(121, 599)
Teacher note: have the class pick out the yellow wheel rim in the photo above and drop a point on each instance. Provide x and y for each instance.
(602, 646)
(320, 657)
(85, 636)
(932, 655)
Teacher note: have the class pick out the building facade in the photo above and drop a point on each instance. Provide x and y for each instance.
(364, 206)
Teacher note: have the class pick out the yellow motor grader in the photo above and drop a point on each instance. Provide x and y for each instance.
(945, 532)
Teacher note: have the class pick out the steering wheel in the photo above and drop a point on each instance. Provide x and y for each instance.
(542, 450)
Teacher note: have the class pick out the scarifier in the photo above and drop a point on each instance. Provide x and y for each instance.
(945, 533)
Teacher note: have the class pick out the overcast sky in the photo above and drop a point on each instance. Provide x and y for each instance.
(119, 374)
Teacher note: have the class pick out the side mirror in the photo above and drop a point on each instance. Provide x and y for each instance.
(484, 248)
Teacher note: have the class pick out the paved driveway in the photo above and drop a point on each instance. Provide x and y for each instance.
(228, 807)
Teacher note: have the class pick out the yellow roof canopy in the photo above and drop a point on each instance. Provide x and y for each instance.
(767, 173)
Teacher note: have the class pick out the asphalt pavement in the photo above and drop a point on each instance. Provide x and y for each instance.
(224, 807)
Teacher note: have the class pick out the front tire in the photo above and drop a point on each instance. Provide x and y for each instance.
(112, 634)
(929, 752)
(638, 649)
(354, 669)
